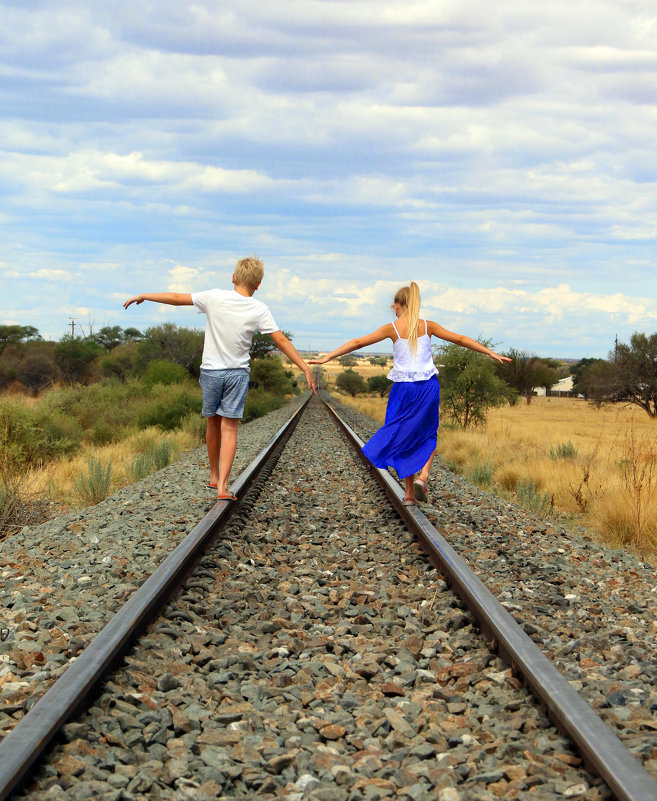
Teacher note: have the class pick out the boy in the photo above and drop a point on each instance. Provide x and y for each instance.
(232, 319)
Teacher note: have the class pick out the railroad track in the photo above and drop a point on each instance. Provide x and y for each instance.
(288, 665)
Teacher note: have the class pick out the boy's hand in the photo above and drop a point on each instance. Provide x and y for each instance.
(323, 360)
(310, 380)
(137, 299)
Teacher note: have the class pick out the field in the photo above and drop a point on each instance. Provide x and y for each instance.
(559, 457)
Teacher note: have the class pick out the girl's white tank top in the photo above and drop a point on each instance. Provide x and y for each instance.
(407, 367)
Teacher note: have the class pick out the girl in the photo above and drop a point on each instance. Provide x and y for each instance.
(408, 438)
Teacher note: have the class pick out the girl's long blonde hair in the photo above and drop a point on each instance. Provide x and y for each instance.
(409, 298)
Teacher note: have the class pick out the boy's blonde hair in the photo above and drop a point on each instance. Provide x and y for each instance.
(409, 298)
(249, 272)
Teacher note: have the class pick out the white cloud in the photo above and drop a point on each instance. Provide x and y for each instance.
(181, 278)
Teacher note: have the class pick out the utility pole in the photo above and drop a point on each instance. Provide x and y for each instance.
(72, 327)
(616, 349)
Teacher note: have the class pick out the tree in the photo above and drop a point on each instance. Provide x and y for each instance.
(380, 361)
(380, 384)
(348, 360)
(351, 382)
(75, 358)
(270, 375)
(132, 333)
(634, 373)
(12, 334)
(171, 343)
(579, 371)
(469, 386)
(109, 336)
(262, 345)
(597, 382)
(120, 363)
(36, 367)
(527, 371)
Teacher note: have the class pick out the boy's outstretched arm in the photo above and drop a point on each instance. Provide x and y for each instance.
(172, 298)
(286, 347)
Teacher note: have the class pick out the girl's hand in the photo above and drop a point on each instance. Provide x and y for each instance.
(500, 359)
(137, 299)
(323, 360)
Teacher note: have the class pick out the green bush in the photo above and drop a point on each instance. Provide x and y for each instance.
(564, 450)
(379, 384)
(168, 413)
(160, 371)
(531, 498)
(157, 458)
(259, 402)
(271, 376)
(94, 487)
(482, 474)
(194, 424)
(351, 382)
(35, 434)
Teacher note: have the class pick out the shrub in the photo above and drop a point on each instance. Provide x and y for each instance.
(564, 450)
(380, 384)
(195, 424)
(103, 433)
(531, 498)
(35, 434)
(259, 403)
(482, 474)
(94, 487)
(157, 458)
(271, 376)
(141, 466)
(160, 371)
(351, 382)
(168, 413)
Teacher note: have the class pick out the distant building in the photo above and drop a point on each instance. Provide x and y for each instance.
(561, 388)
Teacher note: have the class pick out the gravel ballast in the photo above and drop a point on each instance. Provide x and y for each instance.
(592, 609)
(315, 654)
(286, 585)
(62, 580)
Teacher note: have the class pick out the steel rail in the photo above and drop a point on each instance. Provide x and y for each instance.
(20, 749)
(602, 751)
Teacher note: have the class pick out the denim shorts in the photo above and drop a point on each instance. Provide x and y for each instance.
(224, 392)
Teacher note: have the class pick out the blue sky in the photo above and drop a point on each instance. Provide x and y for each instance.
(502, 155)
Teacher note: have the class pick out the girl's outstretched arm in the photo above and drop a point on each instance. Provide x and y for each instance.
(460, 339)
(354, 344)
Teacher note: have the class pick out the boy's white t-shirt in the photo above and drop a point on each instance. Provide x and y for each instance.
(232, 320)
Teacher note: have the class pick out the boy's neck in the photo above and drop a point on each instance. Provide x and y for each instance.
(244, 290)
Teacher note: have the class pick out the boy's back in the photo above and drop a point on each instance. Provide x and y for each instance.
(231, 321)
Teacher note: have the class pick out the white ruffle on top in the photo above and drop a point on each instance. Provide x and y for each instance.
(407, 367)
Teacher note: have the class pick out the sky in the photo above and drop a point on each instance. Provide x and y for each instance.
(500, 154)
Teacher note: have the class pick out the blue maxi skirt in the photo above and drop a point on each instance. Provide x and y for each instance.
(408, 437)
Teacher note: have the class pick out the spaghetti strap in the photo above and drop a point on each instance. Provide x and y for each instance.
(396, 331)
(426, 328)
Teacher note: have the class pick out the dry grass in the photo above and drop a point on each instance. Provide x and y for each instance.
(608, 482)
(57, 480)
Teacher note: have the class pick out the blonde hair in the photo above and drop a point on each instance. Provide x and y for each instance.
(249, 272)
(409, 298)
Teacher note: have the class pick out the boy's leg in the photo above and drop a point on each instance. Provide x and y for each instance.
(228, 446)
(213, 441)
